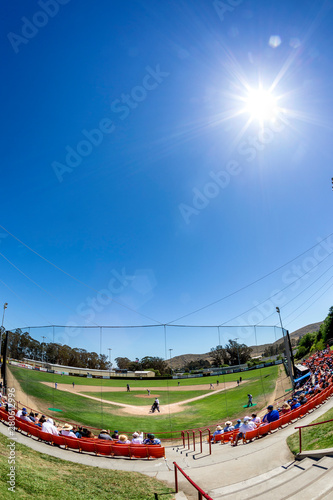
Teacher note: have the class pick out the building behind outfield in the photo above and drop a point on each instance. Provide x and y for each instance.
(81, 372)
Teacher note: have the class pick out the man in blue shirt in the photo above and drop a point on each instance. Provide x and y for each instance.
(151, 439)
(271, 416)
(237, 426)
(295, 404)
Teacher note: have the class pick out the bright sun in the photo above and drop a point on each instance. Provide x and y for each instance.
(261, 105)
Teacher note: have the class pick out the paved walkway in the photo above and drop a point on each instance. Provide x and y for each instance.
(226, 465)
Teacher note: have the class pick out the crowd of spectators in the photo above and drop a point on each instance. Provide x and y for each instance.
(319, 376)
(48, 425)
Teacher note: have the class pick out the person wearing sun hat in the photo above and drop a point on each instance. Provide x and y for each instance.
(67, 431)
(137, 438)
(218, 430)
(228, 426)
(104, 434)
(244, 428)
(123, 439)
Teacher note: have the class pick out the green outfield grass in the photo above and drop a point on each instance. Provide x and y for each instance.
(147, 384)
(216, 408)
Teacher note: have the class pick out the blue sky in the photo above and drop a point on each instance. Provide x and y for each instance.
(131, 162)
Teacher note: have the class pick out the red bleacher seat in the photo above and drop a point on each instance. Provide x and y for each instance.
(138, 451)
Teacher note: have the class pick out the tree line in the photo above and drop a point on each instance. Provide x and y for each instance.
(21, 345)
(152, 363)
(231, 354)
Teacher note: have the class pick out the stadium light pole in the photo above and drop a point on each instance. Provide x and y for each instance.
(109, 349)
(2, 328)
(289, 352)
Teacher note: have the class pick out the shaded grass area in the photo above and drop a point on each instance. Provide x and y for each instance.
(208, 411)
(40, 476)
(314, 438)
(138, 398)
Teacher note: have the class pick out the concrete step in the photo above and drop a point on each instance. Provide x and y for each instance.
(294, 485)
(262, 483)
(309, 479)
(181, 496)
(322, 487)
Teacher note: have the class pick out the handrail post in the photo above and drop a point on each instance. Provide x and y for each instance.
(176, 477)
(188, 439)
(210, 442)
(200, 434)
(183, 437)
(300, 439)
(193, 440)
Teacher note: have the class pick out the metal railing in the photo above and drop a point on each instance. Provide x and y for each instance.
(309, 425)
(193, 431)
(201, 493)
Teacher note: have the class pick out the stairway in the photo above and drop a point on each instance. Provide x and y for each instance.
(308, 479)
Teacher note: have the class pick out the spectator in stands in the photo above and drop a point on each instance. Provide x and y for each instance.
(316, 387)
(218, 430)
(311, 390)
(123, 439)
(303, 399)
(295, 404)
(285, 408)
(228, 426)
(49, 427)
(41, 421)
(115, 435)
(78, 432)
(9, 407)
(151, 439)
(24, 416)
(244, 428)
(104, 434)
(67, 430)
(86, 433)
(137, 438)
(237, 426)
(19, 412)
(255, 419)
(32, 416)
(271, 415)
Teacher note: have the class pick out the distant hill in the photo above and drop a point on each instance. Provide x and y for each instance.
(178, 362)
(297, 334)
